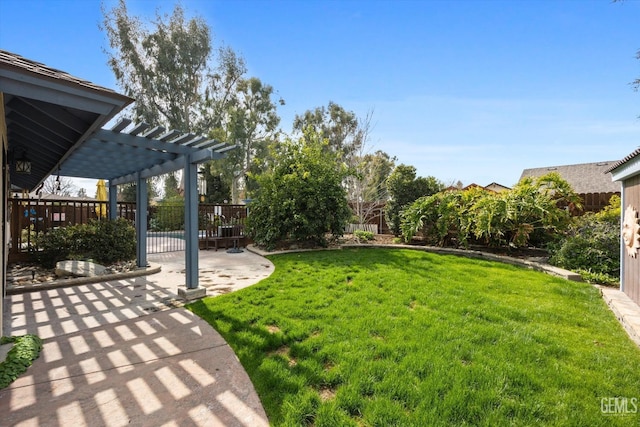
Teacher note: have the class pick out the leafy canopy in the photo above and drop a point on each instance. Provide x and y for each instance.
(530, 213)
(301, 197)
(404, 187)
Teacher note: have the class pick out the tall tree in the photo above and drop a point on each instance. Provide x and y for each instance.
(170, 68)
(171, 190)
(339, 126)
(162, 68)
(366, 185)
(127, 192)
(253, 126)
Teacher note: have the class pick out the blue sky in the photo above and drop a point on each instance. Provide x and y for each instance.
(473, 90)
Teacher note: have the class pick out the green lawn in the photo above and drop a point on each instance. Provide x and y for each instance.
(384, 337)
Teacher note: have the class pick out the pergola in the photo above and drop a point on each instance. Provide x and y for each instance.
(55, 121)
(134, 152)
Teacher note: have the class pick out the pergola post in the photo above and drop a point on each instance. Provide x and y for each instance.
(141, 221)
(192, 237)
(191, 222)
(113, 201)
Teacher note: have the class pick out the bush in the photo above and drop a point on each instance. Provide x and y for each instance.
(301, 198)
(529, 214)
(404, 188)
(591, 247)
(104, 241)
(363, 235)
(25, 350)
(113, 241)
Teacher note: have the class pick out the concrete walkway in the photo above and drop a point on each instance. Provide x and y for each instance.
(124, 352)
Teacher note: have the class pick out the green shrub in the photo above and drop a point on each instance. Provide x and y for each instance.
(592, 245)
(301, 198)
(404, 188)
(363, 235)
(104, 241)
(53, 246)
(529, 214)
(113, 241)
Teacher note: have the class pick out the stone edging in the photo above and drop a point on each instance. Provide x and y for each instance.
(625, 310)
(546, 268)
(63, 283)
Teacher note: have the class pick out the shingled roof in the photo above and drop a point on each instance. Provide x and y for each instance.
(626, 160)
(584, 178)
(10, 59)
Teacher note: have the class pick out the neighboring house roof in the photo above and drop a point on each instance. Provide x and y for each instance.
(494, 186)
(46, 196)
(584, 178)
(472, 185)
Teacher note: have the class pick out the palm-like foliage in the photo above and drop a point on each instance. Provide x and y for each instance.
(527, 214)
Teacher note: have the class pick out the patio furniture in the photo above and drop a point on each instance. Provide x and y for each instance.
(226, 236)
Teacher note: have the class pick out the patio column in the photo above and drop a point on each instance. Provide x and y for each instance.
(113, 201)
(141, 220)
(191, 222)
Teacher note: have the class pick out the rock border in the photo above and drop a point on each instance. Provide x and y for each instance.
(63, 283)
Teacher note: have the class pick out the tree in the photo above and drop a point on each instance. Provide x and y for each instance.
(301, 197)
(59, 186)
(82, 193)
(171, 190)
(168, 68)
(367, 188)
(127, 192)
(162, 69)
(252, 127)
(339, 126)
(218, 190)
(404, 188)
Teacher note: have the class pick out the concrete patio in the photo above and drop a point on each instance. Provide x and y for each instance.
(125, 352)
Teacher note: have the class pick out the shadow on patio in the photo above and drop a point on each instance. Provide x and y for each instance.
(118, 353)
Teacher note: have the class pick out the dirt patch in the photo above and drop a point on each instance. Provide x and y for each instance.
(327, 393)
(273, 329)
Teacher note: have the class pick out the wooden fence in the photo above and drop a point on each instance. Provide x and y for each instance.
(595, 202)
(30, 218)
(376, 215)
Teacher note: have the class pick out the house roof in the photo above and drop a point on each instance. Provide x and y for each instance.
(584, 178)
(55, 120)
(9, 59)
(627, 167)
(49, 113)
